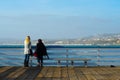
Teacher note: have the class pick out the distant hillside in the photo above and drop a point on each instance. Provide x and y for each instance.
(104, 39)
(100, 39)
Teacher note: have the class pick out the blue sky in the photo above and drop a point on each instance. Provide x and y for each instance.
(56, 19)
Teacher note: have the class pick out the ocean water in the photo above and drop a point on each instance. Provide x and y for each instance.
(12, 55)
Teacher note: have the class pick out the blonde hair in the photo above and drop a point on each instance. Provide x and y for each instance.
(27, 39)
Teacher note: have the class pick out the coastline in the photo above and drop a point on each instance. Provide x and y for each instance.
(60, 46)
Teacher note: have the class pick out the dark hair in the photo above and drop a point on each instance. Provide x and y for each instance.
(39, 40)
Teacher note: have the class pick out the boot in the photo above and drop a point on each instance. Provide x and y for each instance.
(25, 64)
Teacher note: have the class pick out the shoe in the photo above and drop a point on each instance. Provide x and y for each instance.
(38, 65)
(41, 65)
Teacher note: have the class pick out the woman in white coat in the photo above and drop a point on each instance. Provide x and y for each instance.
(27, 47)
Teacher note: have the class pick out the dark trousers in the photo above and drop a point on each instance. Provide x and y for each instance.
(40, 60)
(26, 60)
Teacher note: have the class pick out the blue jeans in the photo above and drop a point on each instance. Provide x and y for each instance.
(26, 60)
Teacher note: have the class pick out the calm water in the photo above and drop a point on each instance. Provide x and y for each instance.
(12, 55)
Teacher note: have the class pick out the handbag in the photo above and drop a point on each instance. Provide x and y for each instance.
(31, 52)
(35, 54)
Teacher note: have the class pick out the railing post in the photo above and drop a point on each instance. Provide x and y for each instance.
(98, 57)
(67, 57)
(30, 61)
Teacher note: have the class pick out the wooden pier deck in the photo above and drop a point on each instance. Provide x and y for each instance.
(59, 73)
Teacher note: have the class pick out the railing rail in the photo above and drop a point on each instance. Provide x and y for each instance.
(99, 55)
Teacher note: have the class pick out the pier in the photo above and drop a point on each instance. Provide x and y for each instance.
(59, 73)
(104, 64)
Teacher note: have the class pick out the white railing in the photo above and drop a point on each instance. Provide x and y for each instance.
(100, 56)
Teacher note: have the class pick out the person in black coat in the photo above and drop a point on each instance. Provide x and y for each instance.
(41, 51)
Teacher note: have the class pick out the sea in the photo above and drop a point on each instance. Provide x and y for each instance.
(100, 55)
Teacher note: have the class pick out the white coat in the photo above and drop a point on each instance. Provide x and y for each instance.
(27, 47)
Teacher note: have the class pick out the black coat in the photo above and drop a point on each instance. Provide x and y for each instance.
(41, 49)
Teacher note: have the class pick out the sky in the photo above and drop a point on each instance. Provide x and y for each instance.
(58, 19)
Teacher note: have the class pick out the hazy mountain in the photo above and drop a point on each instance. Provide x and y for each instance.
(96, 39)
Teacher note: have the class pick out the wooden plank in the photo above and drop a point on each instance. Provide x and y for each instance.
(64, 73)
(30, 73)
(72, 74)
(109, 73)
(116, 72)
(49, 74)
(95, 73)
(13, 75)
(3, 69)
(23, 76)
(33, 72)
(104, 73)
(80, 74)
(3, 75)
(42, 74)
(87, 72)
(57, 73)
